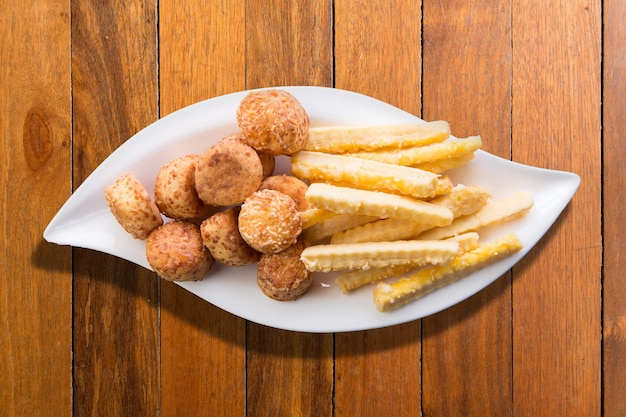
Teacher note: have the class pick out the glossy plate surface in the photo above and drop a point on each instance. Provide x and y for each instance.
(85, 221)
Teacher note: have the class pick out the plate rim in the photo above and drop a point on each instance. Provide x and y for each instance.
(572, 180)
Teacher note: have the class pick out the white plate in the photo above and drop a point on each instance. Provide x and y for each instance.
(84, 221)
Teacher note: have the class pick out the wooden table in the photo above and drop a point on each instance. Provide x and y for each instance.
(85, 334)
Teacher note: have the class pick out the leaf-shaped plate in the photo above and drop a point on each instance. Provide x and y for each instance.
(85, 221)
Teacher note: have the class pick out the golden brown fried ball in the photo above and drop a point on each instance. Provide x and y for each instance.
(283, 276)
(227, 173)
(269, 163)
(273, 121)
(174, 189)
(267, 159)
(220, 234)
(269, 221)
(175, 251)
(132, 206)
(286, 184)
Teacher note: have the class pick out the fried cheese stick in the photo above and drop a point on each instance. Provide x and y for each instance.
(357, 278)
(363, 174)
(340, 139)
(347, 200)
(452, 148)
(326, 258)
(505, 209)
(461, 201)
(391, 296)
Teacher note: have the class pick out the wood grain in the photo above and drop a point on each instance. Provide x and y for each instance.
(556, 287)
(378, 50)
(385, 64)
(467, 76)
(203, 357)
(201, 51)
(86, 334)
(115, 332)
(614, 227)
(288, 373)
(203, 348)
(378, 372)
(288, 43)
(35, 280)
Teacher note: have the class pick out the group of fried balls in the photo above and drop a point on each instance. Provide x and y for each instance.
(226, 205)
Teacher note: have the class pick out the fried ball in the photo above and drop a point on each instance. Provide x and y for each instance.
(174, 190)
(267, 159)
(269, 221)
(235, 137)
(269, 163)
(132, 206)
(220, 234)
(175, 251)
(286, 184)
(283, 276)
(227, 173)
(273, 121)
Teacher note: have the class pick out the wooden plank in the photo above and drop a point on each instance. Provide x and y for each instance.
(202, 51)
(614, 178)
(556, 287)
(288, 43)
(116, 348)
(203, 348)
(377, 370)
(203, 356)
(467, 76)
(373, 60)
(288, 373)
(385, 64)
(35, 279)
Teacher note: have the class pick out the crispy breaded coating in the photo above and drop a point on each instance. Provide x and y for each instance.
(175, 192)
(175, 251)
(273, 121)
(282, 276)
(269, 221)
(227, 173)
(132, 206)
(221, 236)
(267, 159)
(286, 184)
